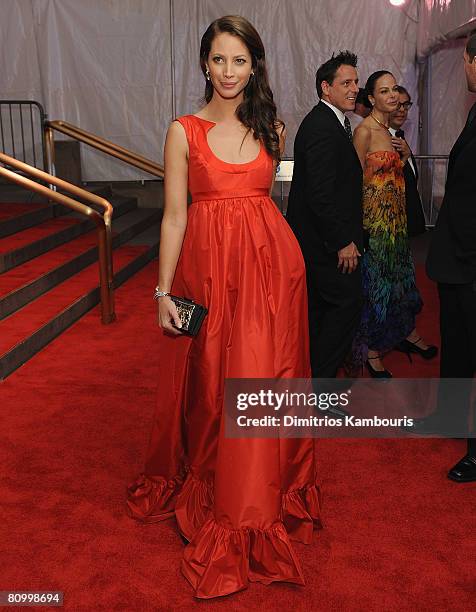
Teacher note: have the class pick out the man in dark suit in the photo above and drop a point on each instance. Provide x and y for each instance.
(415, 216)
(452, 263)
(325, 213)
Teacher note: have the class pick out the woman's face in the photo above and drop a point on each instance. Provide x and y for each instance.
(229, 64)
(385, 96)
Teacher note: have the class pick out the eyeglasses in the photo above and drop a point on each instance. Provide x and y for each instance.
(405, 105)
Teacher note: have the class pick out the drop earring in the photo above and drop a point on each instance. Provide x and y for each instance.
(207, 74)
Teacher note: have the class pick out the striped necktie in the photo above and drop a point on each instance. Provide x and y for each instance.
(348, 129)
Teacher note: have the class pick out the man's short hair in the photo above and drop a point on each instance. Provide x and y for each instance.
(471, 46)
(327, 71)
(402, 90)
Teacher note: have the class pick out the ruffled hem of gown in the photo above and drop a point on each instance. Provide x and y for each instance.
(218, 560)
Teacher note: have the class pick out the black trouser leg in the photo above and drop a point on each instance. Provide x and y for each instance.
(335, 306)
(458, 350)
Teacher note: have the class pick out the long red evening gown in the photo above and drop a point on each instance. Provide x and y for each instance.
(238, 502)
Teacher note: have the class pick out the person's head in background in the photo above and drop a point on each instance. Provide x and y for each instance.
(362, 104)
(469, 57)
(400, 115)
(337, 81)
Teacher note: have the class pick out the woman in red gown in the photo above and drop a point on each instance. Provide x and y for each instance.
(238, 502)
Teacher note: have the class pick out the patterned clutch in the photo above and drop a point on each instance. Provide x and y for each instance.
(191, 314)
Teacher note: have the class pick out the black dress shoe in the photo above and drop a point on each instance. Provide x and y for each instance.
(339, 412)
(426, 425)
(435, 424)
(408, 347)
(376, 373)
(464, 470)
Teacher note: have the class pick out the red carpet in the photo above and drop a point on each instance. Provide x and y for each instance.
(8, 210)
(27, 236)
(31, 270)
(31, 317)
(75, 421)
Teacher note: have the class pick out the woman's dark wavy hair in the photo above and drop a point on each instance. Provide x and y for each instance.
(257, 111)
(372, 81)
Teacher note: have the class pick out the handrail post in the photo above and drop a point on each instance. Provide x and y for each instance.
(110, 269)
(50, 153)
(105, 276)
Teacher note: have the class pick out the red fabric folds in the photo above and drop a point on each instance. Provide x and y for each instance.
(219, 561)
(301, 511)
(151, 499)
(194, 506)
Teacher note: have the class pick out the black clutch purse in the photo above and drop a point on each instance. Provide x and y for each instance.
(191, 314)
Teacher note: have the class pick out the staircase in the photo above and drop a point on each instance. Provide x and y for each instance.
(48, 266)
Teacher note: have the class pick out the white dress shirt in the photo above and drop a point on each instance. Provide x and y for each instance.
(410, 160)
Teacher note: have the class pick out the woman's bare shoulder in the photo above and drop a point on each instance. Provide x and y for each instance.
(362, 133)
(363, 128)
(176, 131)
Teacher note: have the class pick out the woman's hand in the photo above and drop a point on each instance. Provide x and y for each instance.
(167, 316)
(401, 146)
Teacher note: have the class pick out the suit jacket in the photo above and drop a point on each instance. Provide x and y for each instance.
(325, 201)
(452, 254)
(415, 216)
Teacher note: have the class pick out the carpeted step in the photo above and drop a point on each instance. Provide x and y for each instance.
(17, 217)
(34, 241)
(28, 330)
(25, 283)
(26, 211)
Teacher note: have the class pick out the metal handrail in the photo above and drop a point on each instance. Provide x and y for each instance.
(103, 222)
(106, 146)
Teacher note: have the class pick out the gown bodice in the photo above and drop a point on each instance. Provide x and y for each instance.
(211, 178)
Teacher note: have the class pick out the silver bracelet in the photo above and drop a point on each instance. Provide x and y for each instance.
(158, 293)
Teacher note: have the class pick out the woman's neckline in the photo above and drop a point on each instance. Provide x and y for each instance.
(241, 164)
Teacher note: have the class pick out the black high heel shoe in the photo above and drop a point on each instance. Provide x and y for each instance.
(377, 373)
(408, 347)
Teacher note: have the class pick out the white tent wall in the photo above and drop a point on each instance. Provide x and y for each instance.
(101, 64)
(105, 65)
(449, 105)
(107, 69)
(441, 20)
(442, 23)
(450, 99)
(20, 75)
